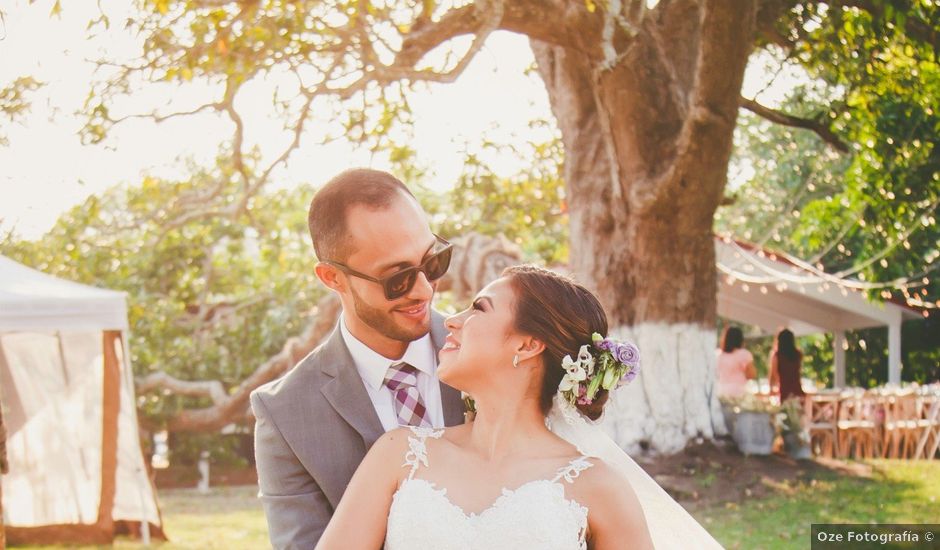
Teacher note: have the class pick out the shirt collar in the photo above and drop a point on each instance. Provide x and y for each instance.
(373, 366)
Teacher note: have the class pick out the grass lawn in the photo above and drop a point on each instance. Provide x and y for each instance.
(896, 492)
(227, 518)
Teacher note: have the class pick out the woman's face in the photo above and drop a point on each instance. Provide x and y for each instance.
(481, 340)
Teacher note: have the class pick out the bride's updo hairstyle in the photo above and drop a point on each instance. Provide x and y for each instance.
(563, 315)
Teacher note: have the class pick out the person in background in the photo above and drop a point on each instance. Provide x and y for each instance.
(785, 363)
(735, 364)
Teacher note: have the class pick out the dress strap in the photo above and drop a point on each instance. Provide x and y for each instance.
(417, 450)
(573, 469)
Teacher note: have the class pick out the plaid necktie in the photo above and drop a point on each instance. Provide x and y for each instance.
(402, 380)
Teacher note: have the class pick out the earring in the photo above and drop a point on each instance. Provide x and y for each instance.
(515, 361)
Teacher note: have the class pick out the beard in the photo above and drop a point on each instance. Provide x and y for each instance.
(384, 323)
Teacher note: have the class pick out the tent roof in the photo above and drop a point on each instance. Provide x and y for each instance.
(32, 300)
(760, 288)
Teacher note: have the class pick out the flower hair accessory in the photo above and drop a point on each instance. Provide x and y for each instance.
(605, 364)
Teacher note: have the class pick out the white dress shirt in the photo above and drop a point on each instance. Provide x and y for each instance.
(373, 368)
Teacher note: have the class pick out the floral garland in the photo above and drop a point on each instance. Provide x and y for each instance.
(604, 364)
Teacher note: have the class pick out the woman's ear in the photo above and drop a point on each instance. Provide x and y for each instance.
(330, 276)
(529, 348)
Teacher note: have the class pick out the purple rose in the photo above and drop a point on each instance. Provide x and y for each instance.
(628, 377)
(627, 353)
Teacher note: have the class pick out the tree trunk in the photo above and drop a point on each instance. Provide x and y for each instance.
(647, 143)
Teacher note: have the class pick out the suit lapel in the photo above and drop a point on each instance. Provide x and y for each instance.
(451, 401)
(346, 392)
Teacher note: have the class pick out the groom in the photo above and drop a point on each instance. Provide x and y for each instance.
(374, 373)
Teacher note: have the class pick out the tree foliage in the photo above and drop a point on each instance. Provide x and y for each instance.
(209, 299)
(527, 207)
(868, 213)
(14, 101)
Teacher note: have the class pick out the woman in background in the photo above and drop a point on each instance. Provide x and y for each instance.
(785, 363)
(735, 364)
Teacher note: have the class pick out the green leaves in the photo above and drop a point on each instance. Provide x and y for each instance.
(210, 296)
(14, 100)
(527, 207)
(870, 214)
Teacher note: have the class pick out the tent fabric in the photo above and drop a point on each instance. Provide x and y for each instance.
(32, 300)
(53, 429)
(76, 466)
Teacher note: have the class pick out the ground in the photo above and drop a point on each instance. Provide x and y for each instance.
(706, 475)
(745, 502)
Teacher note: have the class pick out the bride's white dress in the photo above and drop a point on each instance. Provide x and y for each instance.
(536, 515)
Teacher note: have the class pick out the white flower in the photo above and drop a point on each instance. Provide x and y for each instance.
(586, 359)
(568, 363)
(574, 369)
(575, 374)
(567, 383)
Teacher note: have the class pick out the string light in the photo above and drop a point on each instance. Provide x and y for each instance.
(754, 268)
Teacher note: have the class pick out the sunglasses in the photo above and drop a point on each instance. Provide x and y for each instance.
(401, 282)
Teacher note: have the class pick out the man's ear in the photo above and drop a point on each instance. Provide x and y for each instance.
(529, 348)
(330, 276)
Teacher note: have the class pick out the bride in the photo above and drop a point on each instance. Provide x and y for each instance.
(529, 471)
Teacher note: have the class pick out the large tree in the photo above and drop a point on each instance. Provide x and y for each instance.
(646, 96)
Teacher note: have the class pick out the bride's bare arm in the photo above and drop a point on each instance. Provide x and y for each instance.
(360, 519)
(615, 516)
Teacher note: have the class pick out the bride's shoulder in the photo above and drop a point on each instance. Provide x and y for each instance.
(604, 486)
(615, 512)
(398, 441)
(601, 474)
(392, 442)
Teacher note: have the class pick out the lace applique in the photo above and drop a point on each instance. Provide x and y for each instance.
(417, 450)
(534, 515)
(573, 469)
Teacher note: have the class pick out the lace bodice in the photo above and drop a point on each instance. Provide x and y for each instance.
(536, 515)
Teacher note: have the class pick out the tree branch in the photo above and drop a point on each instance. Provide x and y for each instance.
(573, 26)
(479, 259)
(161, 118)
(785, 119)
(232, 406)
(160, 380)
(726, 37)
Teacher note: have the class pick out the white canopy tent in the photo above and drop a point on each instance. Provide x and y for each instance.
(770, 291)
(77, 472)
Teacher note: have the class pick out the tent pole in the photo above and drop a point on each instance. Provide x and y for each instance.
(128, 371)
(838, 354)
(894, 351)
(109, 434)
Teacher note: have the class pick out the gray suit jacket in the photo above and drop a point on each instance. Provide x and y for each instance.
(313, 428)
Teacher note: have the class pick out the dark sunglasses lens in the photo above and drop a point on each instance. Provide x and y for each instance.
(437, 265)
(400, 283)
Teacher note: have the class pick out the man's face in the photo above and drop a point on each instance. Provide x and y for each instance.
(383, 242)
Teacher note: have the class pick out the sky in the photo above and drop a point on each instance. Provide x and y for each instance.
(45, 169)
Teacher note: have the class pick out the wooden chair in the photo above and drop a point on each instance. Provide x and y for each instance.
(857, 425)
(901, 430)
(821, 415)
(929, 441)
